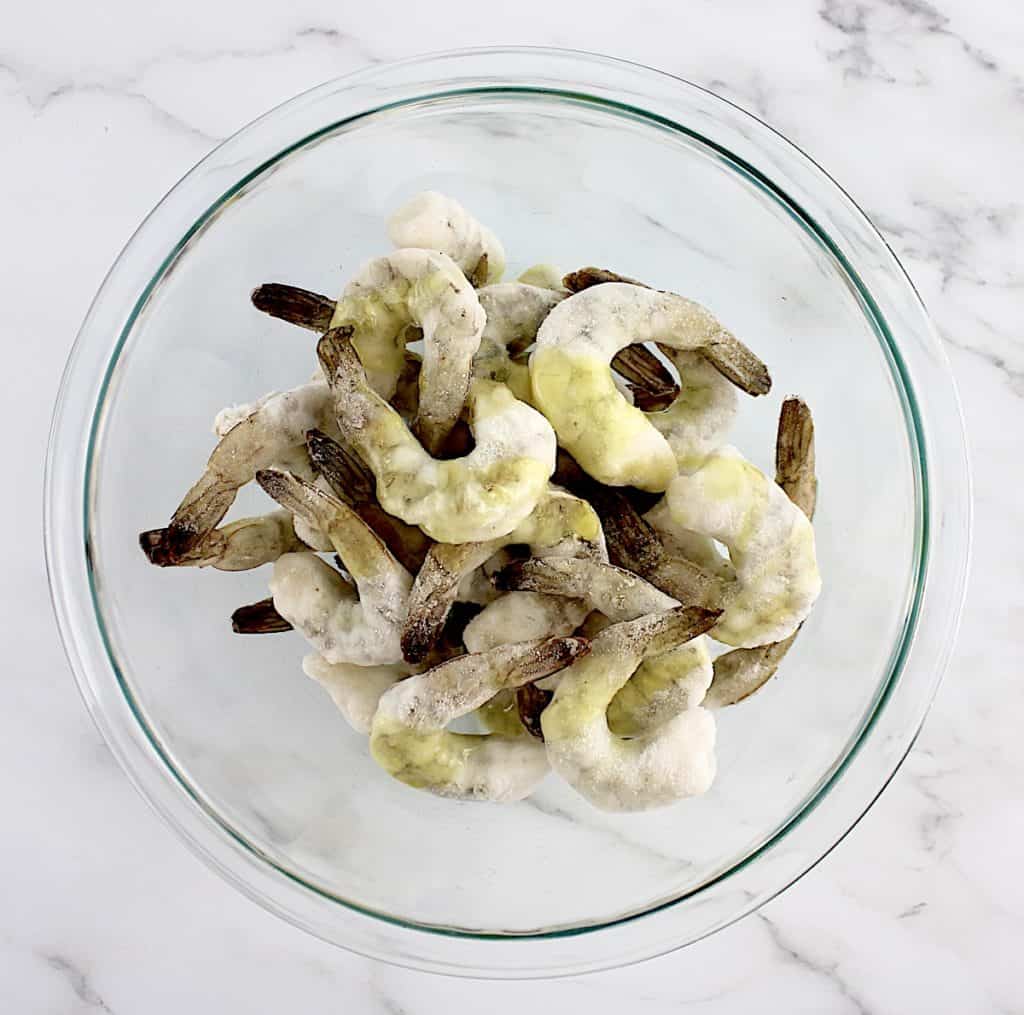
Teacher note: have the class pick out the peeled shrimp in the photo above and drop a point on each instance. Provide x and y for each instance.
(360, 625)
(572, 380)
(434, 222)
(634, 544)
(408, 736)
(742, 671)
(770, 543)
(355, 690)
(352, 482)
(674, 760)
(482, 495)
(664, 685)
(426, 289)
(257, 441)
(559, 525)
(514, 313)
(240, 546)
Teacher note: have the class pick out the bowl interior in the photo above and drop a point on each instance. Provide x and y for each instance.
(569, 182)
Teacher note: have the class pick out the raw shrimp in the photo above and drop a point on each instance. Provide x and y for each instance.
(742, 671)
(257, 441)
(729, 356)
(408, 736)
(514, 313)
(258, 618)
(617, 593)
(360, 625)
(546, 276)
(426, 289)
(352, 482)
(770, 543)
(672, 761)
(483, 495)
(572, 380)
(559, 525)
(664, 685)
(701, 415)
(634, 544)
(314, 311)
(433, 221)
(240, 546)
(355, 690)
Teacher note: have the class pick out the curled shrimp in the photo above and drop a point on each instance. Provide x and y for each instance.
(514, 313)
(355, 690)
(664, 685)
(560, 524)
(408, 738)
(240, 546)
(352, 483)
(432, 221)
(572, 380)
(674, 760)
(426, 289)
(770, 542)
(360, 624)
(634, 544)
(482, 495)
(260, 439)
(729, 356)
(742, 671)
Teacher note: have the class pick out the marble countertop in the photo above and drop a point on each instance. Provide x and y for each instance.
(915, 107)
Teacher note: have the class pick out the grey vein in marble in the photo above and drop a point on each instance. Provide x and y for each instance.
(827, 970)
(76, 979)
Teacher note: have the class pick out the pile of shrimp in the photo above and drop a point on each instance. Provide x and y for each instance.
(535, 526)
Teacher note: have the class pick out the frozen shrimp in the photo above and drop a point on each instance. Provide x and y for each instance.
(664, 685)
(240, 546)
(259, 440)
(360, 624)
(742, 671)
(729, 356)
(514, 313)
(559, 525)
(483, 495)
(409, 740)
(770, 542)
(352, 482)
(572, 380)
(355, 690)
(674, 760)
(426, 289)
(634, 544)
(433, 221)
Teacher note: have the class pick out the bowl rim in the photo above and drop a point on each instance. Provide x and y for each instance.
(936, 432)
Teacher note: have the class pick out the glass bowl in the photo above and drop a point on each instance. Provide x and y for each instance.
(573, 159)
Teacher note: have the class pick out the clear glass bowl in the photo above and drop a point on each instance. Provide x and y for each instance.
(573, 159)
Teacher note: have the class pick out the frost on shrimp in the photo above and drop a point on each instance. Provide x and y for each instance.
(515, 311)
(770, 543)
(572, 382)
(482, 495)
(426, 289)
(674, 760)
(742, 671)
(259, 440)
(664, 685)
(355, 690)
(360, 625)
(408, 738)
(560, 525)
(240, 546)
(433, 221)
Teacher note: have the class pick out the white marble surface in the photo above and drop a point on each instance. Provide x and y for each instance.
(917, 108)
